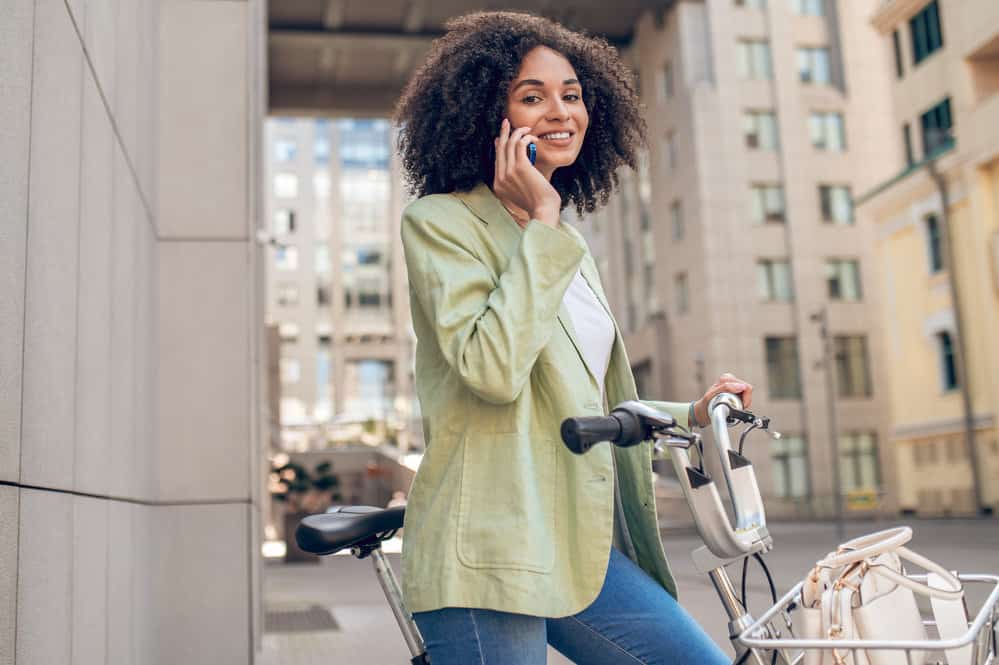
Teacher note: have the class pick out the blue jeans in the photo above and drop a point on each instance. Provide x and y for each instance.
(633, 620)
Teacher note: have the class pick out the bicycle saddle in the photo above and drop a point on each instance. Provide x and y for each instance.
(347, 526)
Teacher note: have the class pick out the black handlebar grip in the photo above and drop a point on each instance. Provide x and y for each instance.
(579, 434)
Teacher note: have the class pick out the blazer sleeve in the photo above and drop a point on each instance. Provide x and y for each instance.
(490, 332)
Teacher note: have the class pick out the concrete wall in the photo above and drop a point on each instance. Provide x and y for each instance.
(127, 437)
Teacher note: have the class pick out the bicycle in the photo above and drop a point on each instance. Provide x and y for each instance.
(758, 641)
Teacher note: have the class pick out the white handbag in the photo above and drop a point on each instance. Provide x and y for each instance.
(861, 592)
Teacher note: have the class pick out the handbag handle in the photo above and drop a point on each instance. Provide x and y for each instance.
(867, 546)
(954, 593)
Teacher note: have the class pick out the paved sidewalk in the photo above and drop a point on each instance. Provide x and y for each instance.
(367, 634)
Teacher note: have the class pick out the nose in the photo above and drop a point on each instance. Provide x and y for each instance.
(558, 110)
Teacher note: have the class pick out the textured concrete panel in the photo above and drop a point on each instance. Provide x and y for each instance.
(8, 571)
(126, 220)
(16, 38)
(127, 75)
(44, 611)
(202, 584)
(53, 223)
(147, 102)
(203, 119)
(93, 377)
(90, 580)
(100, 38)
(120, 572)
(203, 370)
(144, 485)
(144, 623)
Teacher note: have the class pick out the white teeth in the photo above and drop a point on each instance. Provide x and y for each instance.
(556, 135)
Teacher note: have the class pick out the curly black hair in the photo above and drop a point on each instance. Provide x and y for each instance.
(450, 110)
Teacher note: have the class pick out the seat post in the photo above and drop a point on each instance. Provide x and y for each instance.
(390, 587)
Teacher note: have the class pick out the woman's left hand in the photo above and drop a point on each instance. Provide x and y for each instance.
(726, 383)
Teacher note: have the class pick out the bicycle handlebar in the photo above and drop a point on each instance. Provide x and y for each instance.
(628, 424)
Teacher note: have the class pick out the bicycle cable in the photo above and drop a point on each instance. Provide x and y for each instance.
(743, 602)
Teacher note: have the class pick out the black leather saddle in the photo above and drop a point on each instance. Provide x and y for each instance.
(348, 526)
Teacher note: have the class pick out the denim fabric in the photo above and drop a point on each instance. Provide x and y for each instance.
(633, 620)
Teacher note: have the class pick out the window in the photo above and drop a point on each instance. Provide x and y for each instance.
(760, 128)
(853, 377)
(813, 65)
(843, 279)
(324, 296)
(752, 4)
(286, 258)
(753, 59)
(321, 149)
(287, 295)
(284, 222)
(836, 204)
(285, 150)
(321, 184)
(926, 34)
(682, 292)
(676, 220)
(948, 361)
(285, 185)
(783, 379)
(790, 464)
(291, 371)
(774, 280)
(910, 157)
(826, 128)
(858, 461)
(808, 7)
(669, 152)
(766, 203)
(897, 45)
(323, 263)
(934, 243)
(668, 80)
(288, 332)
(935, 125)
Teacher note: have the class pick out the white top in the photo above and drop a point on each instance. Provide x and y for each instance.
(594, 328)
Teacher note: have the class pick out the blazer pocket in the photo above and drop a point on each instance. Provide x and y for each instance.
(506, 514)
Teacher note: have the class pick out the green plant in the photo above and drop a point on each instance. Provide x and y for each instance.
(304, 491)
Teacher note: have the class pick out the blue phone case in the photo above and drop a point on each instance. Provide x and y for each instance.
(532, 152)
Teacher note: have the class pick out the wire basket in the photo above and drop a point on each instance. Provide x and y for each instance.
(766, 634)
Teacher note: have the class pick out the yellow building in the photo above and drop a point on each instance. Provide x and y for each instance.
(946, 110)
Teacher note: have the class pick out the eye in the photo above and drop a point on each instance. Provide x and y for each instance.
(530, 97)
(572, 97)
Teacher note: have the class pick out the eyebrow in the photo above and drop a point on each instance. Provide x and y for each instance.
(542, 83)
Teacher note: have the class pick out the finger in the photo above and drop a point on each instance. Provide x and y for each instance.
(525, 140)
(747, 395)
(501, 147)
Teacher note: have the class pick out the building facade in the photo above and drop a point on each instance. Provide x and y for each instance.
(336, 285)
(936, 220)
(734, 241)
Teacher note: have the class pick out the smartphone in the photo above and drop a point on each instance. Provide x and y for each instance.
(532, 152)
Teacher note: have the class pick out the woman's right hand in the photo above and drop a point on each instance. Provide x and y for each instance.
(517, 181)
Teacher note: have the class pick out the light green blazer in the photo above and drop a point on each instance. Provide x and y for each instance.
(501, 515)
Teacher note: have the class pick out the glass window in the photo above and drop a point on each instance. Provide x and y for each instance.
(843, 279)
(291, 371)
(858, 461)
(783, 378)
(681, 290)
(936, 125)
(934, 242)
(669, 152)
(760, 129)
(323, 264)
(826, 129)
(752, 4)
(948, 361)
(365, 199)
(667, 80)
(808, 7)
(292, 411)
(286, 258)
(897, 46)
(753, 59)
(927, 36)
(284, 222)
(766, 203)
(774, 280)
(324, 295)
(676, 220)
(287, 295)
(285, 150)
(321, 184)
(789, 457)
(321, 149)
(288, 331)
(285, 185)
(853, 377)
(910, 157)
(836, 203)
(813, 65)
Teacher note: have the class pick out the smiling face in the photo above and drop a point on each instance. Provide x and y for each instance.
(546, 97)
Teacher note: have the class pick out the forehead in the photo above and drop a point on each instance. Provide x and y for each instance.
(546, 65)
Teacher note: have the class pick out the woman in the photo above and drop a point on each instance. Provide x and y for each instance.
(511, 540)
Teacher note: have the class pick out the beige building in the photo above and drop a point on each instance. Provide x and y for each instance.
(336, 289)
(936, 220)
(765, 119)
